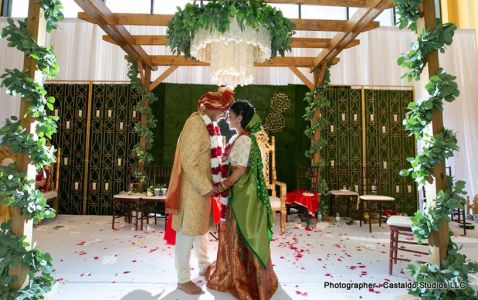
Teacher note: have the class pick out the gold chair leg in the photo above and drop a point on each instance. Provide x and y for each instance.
(283, 215)
(56, 204)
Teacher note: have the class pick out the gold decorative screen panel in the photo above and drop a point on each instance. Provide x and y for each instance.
(71, 107)
(96, 134)
(365, 138)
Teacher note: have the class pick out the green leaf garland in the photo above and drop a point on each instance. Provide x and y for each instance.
(16, 189)
(142, 106)
(442, 87)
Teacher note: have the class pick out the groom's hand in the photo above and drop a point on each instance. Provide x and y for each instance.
(216, 189)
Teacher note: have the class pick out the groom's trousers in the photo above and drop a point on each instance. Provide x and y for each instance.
(184, 243)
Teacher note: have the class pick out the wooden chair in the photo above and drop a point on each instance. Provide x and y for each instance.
(344, 186)
(400, 225)
(267, 147)
(370, 194)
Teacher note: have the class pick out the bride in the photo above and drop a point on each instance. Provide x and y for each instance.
(243, 266)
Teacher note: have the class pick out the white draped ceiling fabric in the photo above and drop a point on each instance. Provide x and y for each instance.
(83, 55)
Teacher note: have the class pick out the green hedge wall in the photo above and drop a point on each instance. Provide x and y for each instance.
(178, 101)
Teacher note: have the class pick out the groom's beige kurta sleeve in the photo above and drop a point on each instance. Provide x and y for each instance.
(196, 180)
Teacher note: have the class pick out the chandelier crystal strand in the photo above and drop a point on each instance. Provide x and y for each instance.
(232, 54)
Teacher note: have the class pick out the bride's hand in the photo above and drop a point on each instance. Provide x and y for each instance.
(217, 189)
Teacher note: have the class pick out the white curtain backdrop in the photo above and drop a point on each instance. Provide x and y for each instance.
(83, 55)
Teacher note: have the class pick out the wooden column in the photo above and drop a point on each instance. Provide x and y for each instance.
(145, 73)
(438, 239)
(36, 26)
(318, 79)
(145, 81)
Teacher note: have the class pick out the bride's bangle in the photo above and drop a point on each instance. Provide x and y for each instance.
(223, 185)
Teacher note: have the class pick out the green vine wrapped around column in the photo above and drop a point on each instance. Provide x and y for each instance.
(453, 275)
(441, 87)
(428, 41)
(16, 188)
(144, 130)
(317, 100)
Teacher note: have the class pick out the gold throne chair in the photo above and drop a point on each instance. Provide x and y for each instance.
(267, 147)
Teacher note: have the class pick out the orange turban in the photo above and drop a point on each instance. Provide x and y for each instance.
(220, 100)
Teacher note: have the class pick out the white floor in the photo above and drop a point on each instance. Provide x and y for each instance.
(92, 261)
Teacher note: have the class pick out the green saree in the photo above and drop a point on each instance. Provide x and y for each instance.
(249, 201)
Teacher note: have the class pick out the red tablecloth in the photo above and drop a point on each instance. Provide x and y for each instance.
(309, 200)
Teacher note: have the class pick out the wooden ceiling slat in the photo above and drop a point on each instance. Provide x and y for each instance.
(175, 60)
(328, 25)
(343, 3)
(350, 3)
(162, 40)
(163, 20)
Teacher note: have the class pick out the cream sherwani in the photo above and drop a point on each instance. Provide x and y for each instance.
(192, 220)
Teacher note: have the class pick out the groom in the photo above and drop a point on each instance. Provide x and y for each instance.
(192, 184)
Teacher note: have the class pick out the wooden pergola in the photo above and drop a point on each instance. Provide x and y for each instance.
(96, 12)
(113, 24)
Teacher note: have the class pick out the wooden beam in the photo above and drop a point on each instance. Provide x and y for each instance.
(170, 60)
(360, 20)
(150, 40)
(162, 77)
(162, 40)
(97, 11)
(350, 3)
(321, 76)
(36, 27)
(438, 241)
(345, 3)
(302, 77)
(163, 20)
(328, 25)
(317, 43)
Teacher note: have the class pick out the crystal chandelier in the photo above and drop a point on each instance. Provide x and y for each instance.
(232, 54)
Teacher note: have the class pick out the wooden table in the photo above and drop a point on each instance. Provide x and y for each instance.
(119, 203)
(151, 199)
(136, 202)
(372, 199)
(337, 194)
